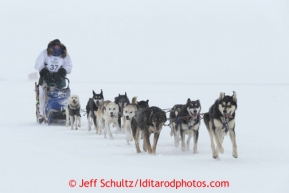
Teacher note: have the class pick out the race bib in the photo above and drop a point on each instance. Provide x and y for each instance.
(54, 63)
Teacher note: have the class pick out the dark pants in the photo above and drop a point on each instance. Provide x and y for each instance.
(60, 84)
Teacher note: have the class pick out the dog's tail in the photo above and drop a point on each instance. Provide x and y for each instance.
(206, 119)
(134, 100)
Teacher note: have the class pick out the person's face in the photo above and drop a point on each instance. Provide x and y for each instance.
(56, 47)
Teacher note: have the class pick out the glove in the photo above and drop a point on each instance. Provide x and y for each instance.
(44, 72)
(56, 77)
(62, 72)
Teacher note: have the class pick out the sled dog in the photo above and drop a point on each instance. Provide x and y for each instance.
(91, 108)
(219, 121)
(128, 113)
(149, 120)
(72, 112)
(122, 101)
(185, 119)
(107, 113)
(143, 104)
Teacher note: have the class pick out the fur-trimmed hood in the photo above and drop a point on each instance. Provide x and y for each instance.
(56, 42)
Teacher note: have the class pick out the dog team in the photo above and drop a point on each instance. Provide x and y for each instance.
(137, 119)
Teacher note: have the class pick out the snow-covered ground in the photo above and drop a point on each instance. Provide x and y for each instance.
(164, 51)
(41, 158)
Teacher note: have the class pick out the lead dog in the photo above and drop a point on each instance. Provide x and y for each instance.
(107, 113)
(185, 120)
(150, 121)
(72, 112)
(220, 120)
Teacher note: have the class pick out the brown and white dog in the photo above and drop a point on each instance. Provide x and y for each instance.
(73, 112)
(150, 121)
(128, 113)
(107, 113)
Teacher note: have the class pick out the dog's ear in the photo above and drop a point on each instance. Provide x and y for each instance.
(147, 101)
(125, 93)
(198, 102)
(177, 111)
(101, 91)
(103, 109)
(222, 95)
(188, 101)
(93, 92)
(234, 96)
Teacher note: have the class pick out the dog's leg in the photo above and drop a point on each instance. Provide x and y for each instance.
(79, 121)
(108, 130)
(219, 136)
(144, 146)
(196, 137)
(71, 122)
(147, 142)
(156, 138)
(127, 126)
(190, 135)
(89, 123)
(95, 121)
(234, 144)
(99, 124)
(176, 135)
(177, 138)
(182, 133)
(119, 122)
(67, 117)
(136, 133)
(106, 125)
(117, 127)
(211, 133)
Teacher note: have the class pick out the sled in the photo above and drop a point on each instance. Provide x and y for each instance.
(55, 102)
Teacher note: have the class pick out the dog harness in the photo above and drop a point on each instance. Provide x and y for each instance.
(225, 124)
(225, 119)
(74, 111)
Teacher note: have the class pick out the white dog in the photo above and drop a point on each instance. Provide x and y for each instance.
(128, 114)
(73, 112)
(107, 113)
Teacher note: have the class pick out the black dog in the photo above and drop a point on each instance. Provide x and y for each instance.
(148, 120)
(219, 120)
(185, 119)
(122, 101)
(92, 106)
(143, 104)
